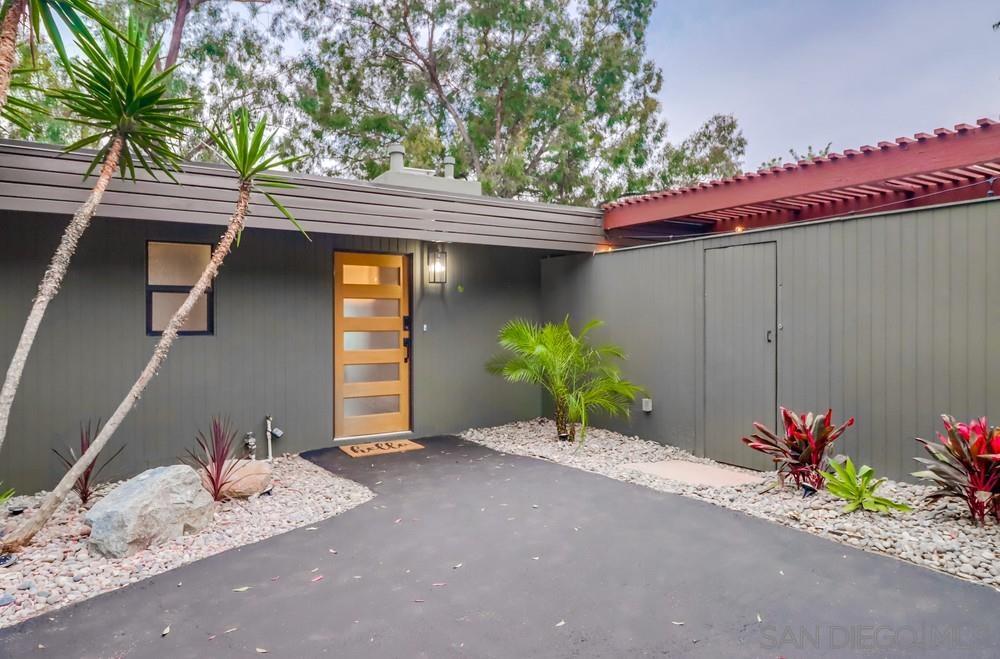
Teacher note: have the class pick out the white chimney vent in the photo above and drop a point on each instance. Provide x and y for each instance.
(402, 176)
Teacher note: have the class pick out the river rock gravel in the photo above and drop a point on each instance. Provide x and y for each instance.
(938, 535)
(57, 569)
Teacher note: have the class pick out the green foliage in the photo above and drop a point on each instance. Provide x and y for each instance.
(795, 156)
(714, 151)
(579, 377)
(246, 148)
(541, 99)
(858, 488)
(5, 495)
(20, 111)
(118, 93)
(48, 14)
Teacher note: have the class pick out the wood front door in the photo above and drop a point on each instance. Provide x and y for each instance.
(371, 338)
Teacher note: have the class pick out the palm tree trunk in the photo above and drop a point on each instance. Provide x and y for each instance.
(23, 533)
(8, 47)
(562, 418)
(52, 280)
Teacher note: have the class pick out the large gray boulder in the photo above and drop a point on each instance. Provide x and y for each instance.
(156, 506)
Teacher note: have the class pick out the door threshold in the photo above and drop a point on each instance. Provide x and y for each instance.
(364, 439)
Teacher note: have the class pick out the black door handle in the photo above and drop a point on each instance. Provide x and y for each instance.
(406, 344)
(770, 336)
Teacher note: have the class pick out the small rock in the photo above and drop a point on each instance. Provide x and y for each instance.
(6, 599)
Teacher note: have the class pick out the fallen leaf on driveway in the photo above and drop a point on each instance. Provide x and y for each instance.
(315, 569)
(241, 589)
(398, 520)
(759, 619)
(261, 651)
(308, 528)
(211, 637)
(317, 578)
(676, 622)
(333, 551)
(166, 630)
(560, 623)
(455, 567)
(418, 601)
(231, 629)
(439, 584)
(535, 558)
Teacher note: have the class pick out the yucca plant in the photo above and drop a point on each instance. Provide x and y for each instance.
(84, 485)
(858, 487)
(802, 451)
(47, 15)
(964, 465)
(246, 148)
(122, 101)
(215, 458)
(579, 377)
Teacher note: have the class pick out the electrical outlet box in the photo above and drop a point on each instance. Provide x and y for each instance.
(647, 404)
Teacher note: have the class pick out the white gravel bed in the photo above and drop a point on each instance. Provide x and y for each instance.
(937, 535)
(57, 569)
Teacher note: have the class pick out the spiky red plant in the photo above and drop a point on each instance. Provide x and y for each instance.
(215, 460)
(84, 485)
(802, 451)
(965, 465)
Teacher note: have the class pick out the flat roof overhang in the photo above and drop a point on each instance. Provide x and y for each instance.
(41, 178)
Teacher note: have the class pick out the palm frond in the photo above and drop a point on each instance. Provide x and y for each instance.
(119, 94)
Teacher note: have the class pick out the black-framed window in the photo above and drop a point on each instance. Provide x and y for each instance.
(171, 270)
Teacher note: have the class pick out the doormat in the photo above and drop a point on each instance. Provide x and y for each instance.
(378, 448)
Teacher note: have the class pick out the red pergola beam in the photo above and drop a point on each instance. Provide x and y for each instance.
(947, 150)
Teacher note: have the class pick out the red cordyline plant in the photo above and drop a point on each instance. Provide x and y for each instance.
(802, 451)
(215, 458)
(965, 465)
(84, 485)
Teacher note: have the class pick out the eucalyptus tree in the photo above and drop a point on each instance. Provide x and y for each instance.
(121, 102)
(247, 149)
(42, 14)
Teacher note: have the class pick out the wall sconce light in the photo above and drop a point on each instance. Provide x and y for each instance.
(437, 265)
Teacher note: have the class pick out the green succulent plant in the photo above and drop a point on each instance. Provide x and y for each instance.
(858, 487)
(5, 495)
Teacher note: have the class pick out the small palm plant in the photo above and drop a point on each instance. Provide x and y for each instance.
(579, 377)
(122, 102)
(858, 487)
(246, 148)
(39, 13)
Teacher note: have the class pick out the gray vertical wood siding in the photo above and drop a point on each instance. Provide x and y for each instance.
(272, 351)
(894, 319)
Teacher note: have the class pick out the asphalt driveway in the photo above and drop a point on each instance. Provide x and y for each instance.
(469, 553)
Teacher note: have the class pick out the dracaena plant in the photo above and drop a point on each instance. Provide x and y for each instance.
(963, 464)
(215, 458)
(84, 486)
(857, 487)
(802, 450)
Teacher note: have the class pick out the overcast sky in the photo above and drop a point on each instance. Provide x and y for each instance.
(804, 72)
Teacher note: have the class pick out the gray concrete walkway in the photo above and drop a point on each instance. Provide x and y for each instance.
(469, 553)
